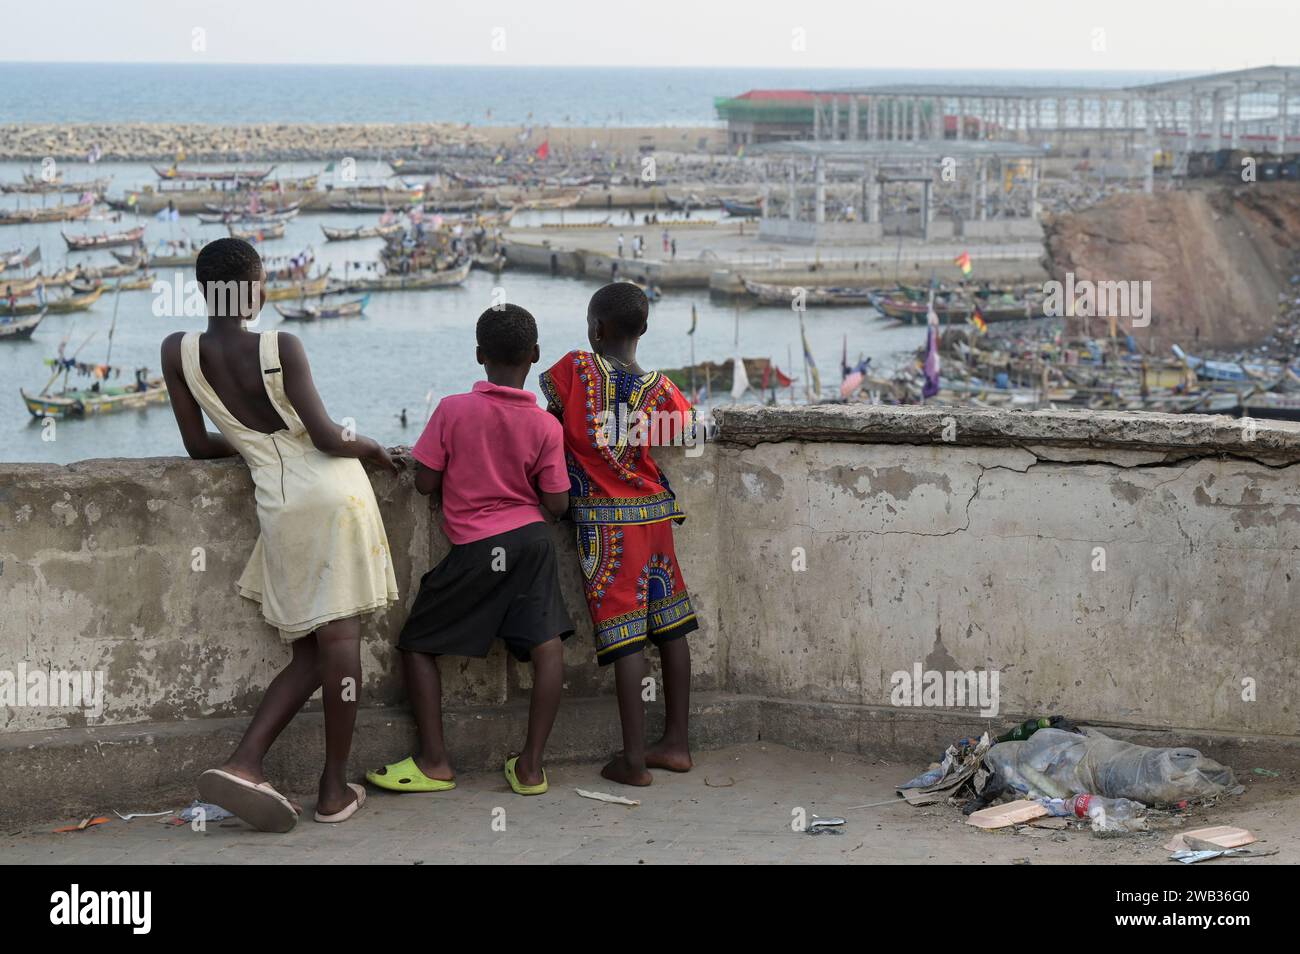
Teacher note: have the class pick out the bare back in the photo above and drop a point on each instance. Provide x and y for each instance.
(231, 364)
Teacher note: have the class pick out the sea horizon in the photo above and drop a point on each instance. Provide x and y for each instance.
(480, 95)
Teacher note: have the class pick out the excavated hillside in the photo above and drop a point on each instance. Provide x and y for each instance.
(1218, 257)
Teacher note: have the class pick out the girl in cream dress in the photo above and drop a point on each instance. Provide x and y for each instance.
(321, 561)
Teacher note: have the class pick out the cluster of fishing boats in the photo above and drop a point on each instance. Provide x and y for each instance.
(54, 184)
(911, 304)
(94, 391)
(1040, 367)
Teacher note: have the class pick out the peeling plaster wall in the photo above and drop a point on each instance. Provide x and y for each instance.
(969, 557)
(100, 571)
(975, 553)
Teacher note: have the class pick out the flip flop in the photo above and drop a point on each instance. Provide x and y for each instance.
(258, 804)
(344, 814)
(519, 787)
(405, 776)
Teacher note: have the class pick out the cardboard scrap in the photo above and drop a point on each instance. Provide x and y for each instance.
(1004, 816)
(1053, 822)
(1221, 836)
(916, 797)
(943, 779)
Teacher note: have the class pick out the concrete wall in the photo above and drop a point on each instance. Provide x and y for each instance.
(1001, 229)
(827, 548)
(982, 552)
(681, 273)
(814, 233)
(98, 572)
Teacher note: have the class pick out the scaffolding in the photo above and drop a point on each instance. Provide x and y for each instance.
(923, 189)
(1252, 109)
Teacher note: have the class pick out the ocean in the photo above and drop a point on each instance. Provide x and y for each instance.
(482, 95)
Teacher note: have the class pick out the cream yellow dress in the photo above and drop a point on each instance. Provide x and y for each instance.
(322, 553)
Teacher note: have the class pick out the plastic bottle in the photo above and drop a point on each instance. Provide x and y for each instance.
(1108, 814)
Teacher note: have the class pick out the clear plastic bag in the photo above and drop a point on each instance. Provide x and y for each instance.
(1056, 764)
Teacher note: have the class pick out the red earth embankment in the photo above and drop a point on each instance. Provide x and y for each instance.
(1217, 258)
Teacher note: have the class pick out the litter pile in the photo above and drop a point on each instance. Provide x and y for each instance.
(1049, 768)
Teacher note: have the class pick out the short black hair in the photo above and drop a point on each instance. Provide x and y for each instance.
(227, 260)
(507, 334)
(623, 306)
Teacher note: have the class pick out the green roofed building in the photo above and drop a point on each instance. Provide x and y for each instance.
(767, 115)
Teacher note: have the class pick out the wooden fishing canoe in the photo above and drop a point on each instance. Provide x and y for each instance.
(84, 402)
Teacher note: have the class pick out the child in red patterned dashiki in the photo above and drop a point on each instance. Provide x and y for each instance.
(623, 509)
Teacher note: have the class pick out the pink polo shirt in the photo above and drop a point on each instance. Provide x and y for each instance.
(496, 449)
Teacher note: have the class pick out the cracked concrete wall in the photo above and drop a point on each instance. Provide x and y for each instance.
(128, 567)
(976, 553)
(1138, 587)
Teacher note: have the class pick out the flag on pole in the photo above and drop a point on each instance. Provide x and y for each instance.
(32, 258)
(544, 149)
(813, 388)
(851, 377)
(977, 319)
(963, 262)
(694, 319)
(739, 378)
(931, 365)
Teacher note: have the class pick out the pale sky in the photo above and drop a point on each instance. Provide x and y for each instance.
(1156, 35)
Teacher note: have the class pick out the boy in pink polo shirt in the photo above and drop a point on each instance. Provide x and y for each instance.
(497, 460)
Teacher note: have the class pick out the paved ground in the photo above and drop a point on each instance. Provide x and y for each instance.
(735, 807)
(736, 241)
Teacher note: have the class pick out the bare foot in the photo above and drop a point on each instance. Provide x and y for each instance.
(669, 755)
(621, 770)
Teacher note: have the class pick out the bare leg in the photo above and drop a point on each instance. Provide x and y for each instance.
(285, 696)
(548, 680)
(673, 751)
(424, 689)
(628, 766)
(339, 644)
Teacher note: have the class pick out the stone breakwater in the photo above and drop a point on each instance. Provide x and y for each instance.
(155, 142)
(286, 142)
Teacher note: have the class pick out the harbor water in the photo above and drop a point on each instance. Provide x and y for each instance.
(409, 349)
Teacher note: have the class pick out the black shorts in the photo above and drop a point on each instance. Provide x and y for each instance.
(504, 586)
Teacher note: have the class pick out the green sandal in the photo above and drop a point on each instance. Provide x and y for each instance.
(519, 787)
(405, 776)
